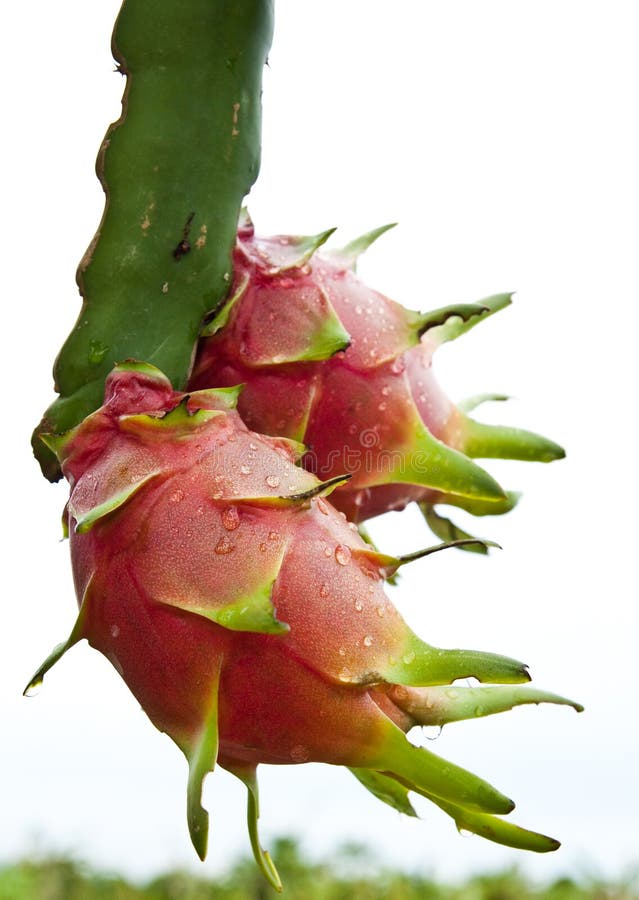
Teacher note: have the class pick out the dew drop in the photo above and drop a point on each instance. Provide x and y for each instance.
(368, 640)
(342, 651)
(327, 552)
(452, 694)
(386, 391)
(479, 710)
(115, 631)
(224, 546)
(381, 611)
(34, 688)
(408, 658)
(359, 606)
(177, 496)
(322, 506)
(230, 518)
(359, 310)
(217, 495)
(245, 470)
(299, 754)
(342, 554)
(431, 732)
(465, 833)
(252, 446)
(397, 366)
(382, 406)
(272, 481)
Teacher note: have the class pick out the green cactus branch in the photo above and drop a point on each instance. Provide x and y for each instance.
(175, 169)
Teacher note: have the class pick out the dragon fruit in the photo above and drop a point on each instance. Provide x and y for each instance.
(248, 616)
(329, 362)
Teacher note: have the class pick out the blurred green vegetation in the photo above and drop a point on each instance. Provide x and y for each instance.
(350, 874)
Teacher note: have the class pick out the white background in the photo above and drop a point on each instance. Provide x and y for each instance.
(501, 135)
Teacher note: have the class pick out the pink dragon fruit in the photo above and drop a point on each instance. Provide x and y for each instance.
(247, 615)
(331, 363)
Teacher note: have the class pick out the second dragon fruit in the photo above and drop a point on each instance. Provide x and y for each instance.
(331, 363)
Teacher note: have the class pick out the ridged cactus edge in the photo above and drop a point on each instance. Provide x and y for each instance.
(161, 258)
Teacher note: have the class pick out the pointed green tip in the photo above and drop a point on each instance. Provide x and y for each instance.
(349, 254)
(302, 249)
(502, 442)
(323, 489)
(446, 530)
(438, 318)
(448, 323)
(201, 757)
(386, 789)
(480, 545)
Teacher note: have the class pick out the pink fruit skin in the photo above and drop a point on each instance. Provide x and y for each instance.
(362, 409)
(247, 615)
(187, 542)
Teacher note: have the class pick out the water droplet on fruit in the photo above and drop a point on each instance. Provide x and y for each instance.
(245, 470)
(479, 710)
(321, 505)
(177, 496)
(34, 688)
(115, 631)
(358, 310)
(327, 552)
(342, 651)
(252, 446)
(217, 495)
(381, 611)
(299, 754)
(358, 606)
(382, 406)
(230, 518)
(368, 640)
(273, 535)
(452, 695)
(323, 590)
(408, 658)
(272, 481)
(224, 546)
(431, 732)
(464, 832)
(397, 366)
(386, 391)
(342, 554)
